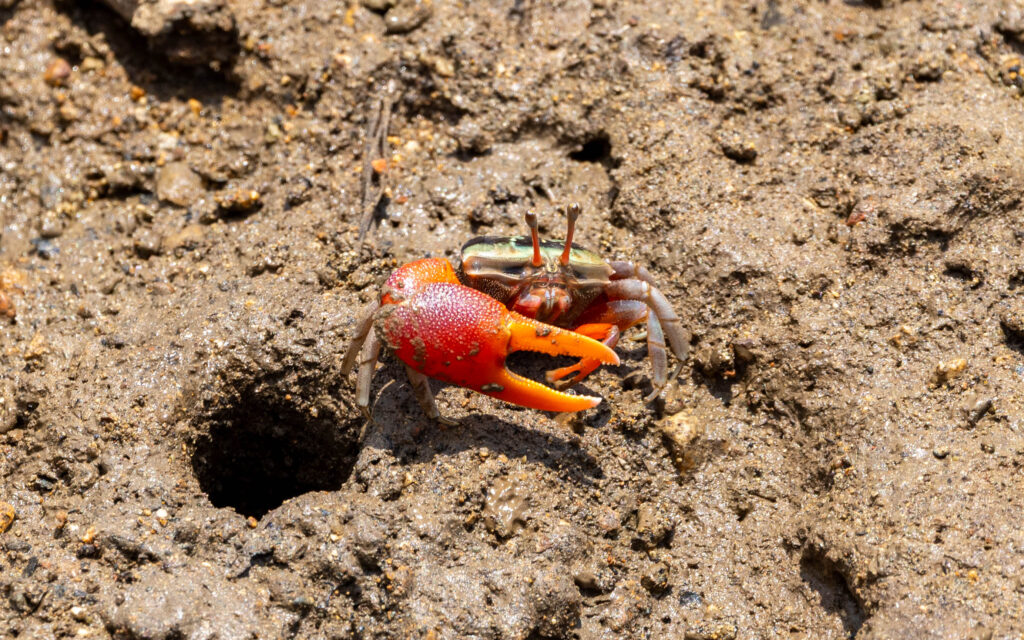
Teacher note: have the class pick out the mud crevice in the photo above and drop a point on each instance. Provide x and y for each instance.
(165, 76)
(836, 598)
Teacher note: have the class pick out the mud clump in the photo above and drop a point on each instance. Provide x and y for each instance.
(178, 184)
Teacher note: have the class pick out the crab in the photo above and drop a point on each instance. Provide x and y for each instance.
(511, 294)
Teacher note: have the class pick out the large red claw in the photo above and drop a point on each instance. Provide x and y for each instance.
(462, 336)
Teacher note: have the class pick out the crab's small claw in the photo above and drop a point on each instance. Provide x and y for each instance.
(457, 334)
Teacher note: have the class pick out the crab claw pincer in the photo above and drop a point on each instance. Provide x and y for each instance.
(462, 336)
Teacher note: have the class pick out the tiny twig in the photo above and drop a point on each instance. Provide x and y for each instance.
(374, 148)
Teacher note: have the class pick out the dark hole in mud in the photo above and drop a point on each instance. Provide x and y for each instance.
(964, 273)
(1016, 281)
(822, 575)
(597, 149)
(258, 452)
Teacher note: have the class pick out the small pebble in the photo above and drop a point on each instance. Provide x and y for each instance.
(238, 200)
(978, 410)
(7, 306)
(51, 225)
(608, 520)
(626, 602)
(736, 147)
(187, 239)
(147, 243)
(655, 579)
(929, 67)
(37, 347)
(1011, 319)
(940, 452)
(653, 525)
(161, 288)
(57, 72)
(91, 63)
(44, 248)
(68, 112)
(407, 16)
(681, 430)
(7, 515)
(946, 371)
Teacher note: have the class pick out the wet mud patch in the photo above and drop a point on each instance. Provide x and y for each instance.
(260, 445)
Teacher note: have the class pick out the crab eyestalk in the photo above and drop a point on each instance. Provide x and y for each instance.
(531, 221)
(571, 213)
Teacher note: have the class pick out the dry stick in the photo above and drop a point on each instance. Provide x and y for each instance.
(374, 147)
(367, 177)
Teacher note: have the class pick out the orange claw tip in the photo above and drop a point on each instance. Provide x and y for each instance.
(528, 334)
(516, 389)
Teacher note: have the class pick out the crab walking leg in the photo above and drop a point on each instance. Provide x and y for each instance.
(622, 269)
(367, 365)
(656, 352)
(425, 396)
(633, 282)
(362, 330)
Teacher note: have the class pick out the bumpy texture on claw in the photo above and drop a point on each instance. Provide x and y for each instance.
(457, 334)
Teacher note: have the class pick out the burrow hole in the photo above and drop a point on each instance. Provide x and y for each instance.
(263, 446)
(597, 149)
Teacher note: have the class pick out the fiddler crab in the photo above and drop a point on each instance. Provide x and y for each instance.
(513, 294)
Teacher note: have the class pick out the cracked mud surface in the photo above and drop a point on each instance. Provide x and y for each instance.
(830, 194)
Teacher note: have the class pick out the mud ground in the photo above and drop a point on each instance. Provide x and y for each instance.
(830, 193)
